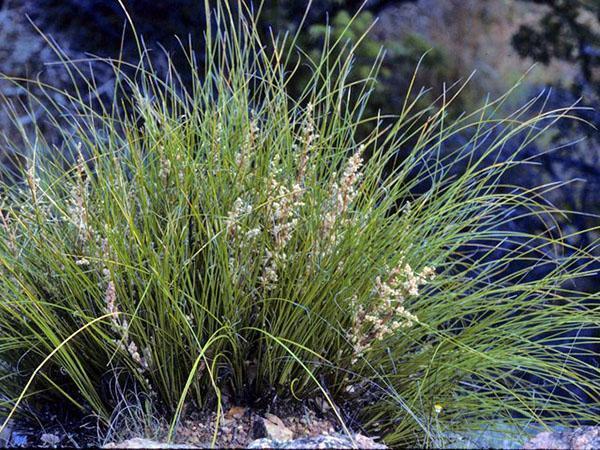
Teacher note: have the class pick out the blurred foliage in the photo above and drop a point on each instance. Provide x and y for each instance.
(568, 31)
(96, 26)
(397, 68)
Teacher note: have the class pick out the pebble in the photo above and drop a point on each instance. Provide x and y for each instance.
(50, 439)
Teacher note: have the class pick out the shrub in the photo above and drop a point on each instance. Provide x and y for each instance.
(223, 237)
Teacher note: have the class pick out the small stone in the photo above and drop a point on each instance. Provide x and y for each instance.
(50, 439)
(235, 412)
(274, 419)
(271, 427)
(323, 404)
(367, 442)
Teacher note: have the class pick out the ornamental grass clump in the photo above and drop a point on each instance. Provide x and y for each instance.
(216, 239)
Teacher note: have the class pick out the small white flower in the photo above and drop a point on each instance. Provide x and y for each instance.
(388, 313)
(251, 234)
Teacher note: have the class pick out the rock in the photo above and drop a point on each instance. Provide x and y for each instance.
(235, 412)
(548, 439)
(145, 443)
(323, 405)
(50, 439)
(271, 427)
(584, 438)
(323, 441)
(367, 442)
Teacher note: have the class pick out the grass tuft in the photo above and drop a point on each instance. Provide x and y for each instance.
(190, 241)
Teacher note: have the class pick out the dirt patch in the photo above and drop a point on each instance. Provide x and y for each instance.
(239, 426)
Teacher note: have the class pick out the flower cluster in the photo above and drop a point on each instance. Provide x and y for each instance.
(283, 213)
(244, 153)
(216, 147)
(240, 209)
(11, 240)
(387, 313)
(238, 239)
(33, 183)
(285, 198)
(119, 323)
(165, 169)
(342, 194)
(78, 212)
(309, 137)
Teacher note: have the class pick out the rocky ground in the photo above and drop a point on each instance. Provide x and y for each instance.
(285, 428)
(584, 438)
(238, 427)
